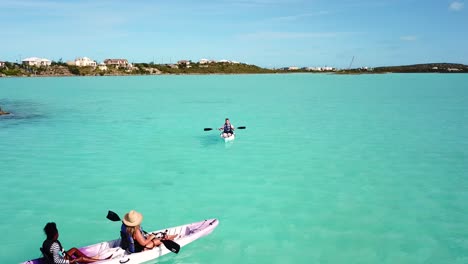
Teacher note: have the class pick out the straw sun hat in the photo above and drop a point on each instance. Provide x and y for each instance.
(132, 218)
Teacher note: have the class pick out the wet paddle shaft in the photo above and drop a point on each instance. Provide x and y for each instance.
(208, 128)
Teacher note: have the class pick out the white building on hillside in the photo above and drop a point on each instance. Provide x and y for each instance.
(38, 62)
(204, 61)
(2, 64)
(117, 63)
(85, 62)
(102, 67)
(184, 62)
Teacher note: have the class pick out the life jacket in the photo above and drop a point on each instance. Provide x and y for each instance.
(46, 248)
(228, 128)
(127, 242)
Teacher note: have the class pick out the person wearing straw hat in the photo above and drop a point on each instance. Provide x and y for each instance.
(133, 237)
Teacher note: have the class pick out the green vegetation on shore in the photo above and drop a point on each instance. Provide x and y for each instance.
(429, 67)
(416, 68)
(61, 69)
(212, 68)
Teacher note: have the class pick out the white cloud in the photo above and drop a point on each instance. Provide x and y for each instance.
(260, 2)
(288, 35)
(409, 38)
(456, 6)
(300, 16)
(39, 4)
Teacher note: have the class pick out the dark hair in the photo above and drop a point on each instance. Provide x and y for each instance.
(226, 119)
(50, 230)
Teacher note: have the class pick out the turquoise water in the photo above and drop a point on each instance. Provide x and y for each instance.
(331, 169)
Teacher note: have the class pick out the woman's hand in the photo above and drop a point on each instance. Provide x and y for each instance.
(151, 237)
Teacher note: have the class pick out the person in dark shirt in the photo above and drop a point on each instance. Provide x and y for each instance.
(53, 249)
(227, 128)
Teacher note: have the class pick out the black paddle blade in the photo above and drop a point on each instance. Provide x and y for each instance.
(207, 129)
(113, 216)
(171, 245)
(241, 127)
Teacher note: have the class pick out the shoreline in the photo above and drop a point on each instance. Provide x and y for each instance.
(59, 69)
(62, 70)
(208, 74)
(161, 74)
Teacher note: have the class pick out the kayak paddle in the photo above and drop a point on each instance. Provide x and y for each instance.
(169, 244)
(208, 129)
(112, 216)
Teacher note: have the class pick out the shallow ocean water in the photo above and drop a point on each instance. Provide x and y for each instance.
(331, 168)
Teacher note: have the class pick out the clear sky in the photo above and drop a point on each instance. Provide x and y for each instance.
(269, 33)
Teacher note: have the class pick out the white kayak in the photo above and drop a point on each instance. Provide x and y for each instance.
(227, 139)
(187, 234)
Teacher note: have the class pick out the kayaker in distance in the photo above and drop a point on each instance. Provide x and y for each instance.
(3, 112)
(133, 237)
(227, 128)
(52, 249)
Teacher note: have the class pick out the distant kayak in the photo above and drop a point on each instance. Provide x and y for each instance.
(187, 234)
(231, 138)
